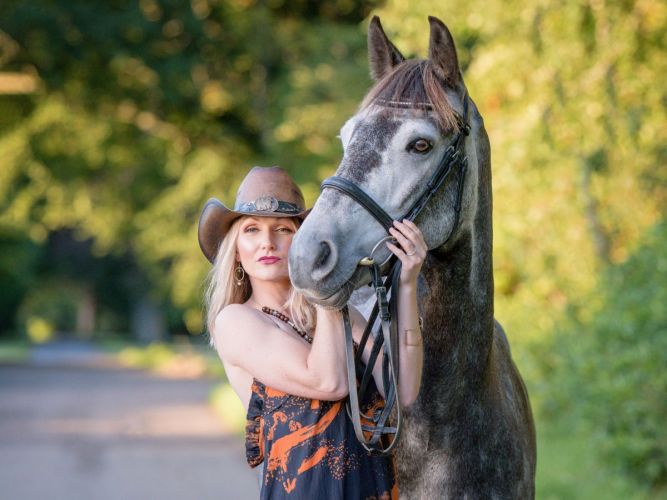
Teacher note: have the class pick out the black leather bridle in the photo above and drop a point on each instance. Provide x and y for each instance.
(359, 375)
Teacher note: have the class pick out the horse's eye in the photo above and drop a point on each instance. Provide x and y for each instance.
(420, 146)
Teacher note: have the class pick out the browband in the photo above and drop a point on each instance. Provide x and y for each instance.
(403, 104)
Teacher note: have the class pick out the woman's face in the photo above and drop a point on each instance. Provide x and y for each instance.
(262, 247)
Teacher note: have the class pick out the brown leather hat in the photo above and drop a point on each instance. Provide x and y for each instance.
(265, 192)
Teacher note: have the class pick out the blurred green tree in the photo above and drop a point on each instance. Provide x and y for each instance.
(611, 364)
(571, 99)
(136, 111)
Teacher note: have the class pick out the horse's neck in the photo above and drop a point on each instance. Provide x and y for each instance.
(456, 295)
(457, 291)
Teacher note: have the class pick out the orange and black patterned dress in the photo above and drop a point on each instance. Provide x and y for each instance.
(310, 451)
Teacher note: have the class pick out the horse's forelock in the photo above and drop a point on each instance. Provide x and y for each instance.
(414, 84)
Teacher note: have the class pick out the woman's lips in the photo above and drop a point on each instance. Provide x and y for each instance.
(269, 260)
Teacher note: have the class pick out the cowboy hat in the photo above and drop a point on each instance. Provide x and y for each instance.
(264, 192)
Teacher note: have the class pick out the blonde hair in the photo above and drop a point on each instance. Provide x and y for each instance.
(222, 289)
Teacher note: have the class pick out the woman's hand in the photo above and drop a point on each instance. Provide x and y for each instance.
(412, 251)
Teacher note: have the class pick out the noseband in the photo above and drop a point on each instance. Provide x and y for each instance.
(385, 308)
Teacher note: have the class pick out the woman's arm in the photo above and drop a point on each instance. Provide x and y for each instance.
(411, 357)
(281, 361)
(411, 352)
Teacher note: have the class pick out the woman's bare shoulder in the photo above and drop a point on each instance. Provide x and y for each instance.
(248, 339)
(235, 318)
(231, 312)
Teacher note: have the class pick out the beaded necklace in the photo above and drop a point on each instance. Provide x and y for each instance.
(285, 319)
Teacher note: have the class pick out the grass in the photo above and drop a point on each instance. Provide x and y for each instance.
(14, 351)
(171, 360)
(569, 467)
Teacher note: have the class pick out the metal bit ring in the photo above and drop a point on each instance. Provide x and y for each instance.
(369, 261)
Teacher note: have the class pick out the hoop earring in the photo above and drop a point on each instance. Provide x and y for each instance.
(239, 275)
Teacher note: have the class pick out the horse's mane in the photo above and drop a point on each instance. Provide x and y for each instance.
(413, 84)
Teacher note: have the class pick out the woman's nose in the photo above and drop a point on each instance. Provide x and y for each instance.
(268, 241)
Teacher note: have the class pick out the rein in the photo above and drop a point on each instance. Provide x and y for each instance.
(370, 434)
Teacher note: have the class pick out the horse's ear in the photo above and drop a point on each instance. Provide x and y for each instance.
(382, 54)
(442, 52)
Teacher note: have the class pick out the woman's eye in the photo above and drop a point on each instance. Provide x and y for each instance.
(250, 229)
(420, 146)
(284, 230)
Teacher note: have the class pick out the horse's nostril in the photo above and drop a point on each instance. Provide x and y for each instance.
(325, 252)
(325, 261)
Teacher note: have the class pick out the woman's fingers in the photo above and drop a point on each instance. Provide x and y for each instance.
(410, 264)
(409, 236)
(404, 228)
(415, 229)
(395, 250)
(406, 244)
(411, 232)
(412, 251)
(400, 253)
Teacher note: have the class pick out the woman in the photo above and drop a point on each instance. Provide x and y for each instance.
(285, 358)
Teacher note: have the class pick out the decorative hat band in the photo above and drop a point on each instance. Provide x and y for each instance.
(269, 204)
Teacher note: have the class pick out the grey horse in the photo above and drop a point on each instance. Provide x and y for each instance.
(470, 434)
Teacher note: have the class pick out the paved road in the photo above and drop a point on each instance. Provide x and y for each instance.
(72, 431)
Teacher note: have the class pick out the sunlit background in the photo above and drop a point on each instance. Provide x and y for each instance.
(119, 118)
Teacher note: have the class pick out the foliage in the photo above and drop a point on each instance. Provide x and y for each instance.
(17, 260)
(613, 364)
(145, 109)
(576, 117)
(146, 113)
(569, 467)
(52, 304)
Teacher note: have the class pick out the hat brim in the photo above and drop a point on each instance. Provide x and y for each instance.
(216, 219)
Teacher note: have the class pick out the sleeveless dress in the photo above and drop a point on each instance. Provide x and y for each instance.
(309, 449)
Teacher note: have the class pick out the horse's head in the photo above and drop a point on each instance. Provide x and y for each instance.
(392, 147)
